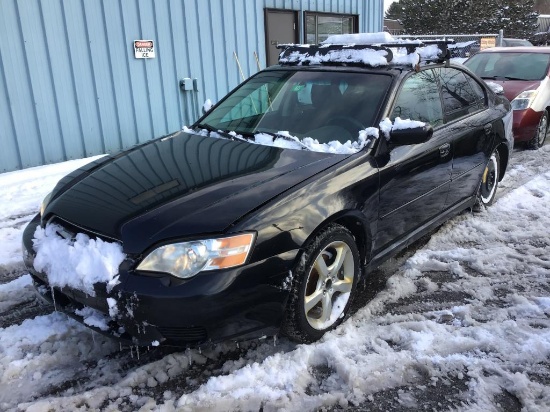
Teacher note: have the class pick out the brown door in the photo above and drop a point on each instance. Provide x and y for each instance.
(281, 26)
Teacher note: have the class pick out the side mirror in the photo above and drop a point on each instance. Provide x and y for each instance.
(402, 137)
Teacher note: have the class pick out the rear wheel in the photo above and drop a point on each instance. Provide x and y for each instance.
(540, 135)
(324, 284)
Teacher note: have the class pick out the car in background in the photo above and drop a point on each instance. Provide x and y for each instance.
(523, 73)
(540, 38)
(516, 43)
(266, 213)
(464, 49)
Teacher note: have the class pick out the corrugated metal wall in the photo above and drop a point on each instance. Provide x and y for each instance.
(70, 86)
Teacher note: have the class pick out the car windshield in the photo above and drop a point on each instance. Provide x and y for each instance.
(509, 66)
(327, 106)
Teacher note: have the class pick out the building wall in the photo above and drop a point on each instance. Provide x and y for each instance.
(70, 86)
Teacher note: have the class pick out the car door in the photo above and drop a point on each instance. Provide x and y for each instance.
(467, 119)
(415, 179)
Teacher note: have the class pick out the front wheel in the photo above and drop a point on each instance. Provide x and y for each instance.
(324, 284)
(489, 182)
(540, 135)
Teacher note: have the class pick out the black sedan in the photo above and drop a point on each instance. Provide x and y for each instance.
(265, 214)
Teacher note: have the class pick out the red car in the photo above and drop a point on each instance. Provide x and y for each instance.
(523, 73)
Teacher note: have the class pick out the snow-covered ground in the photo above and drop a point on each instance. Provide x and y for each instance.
(461, 321)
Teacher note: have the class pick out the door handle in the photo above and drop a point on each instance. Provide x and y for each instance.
(488, 128)
(444, 150)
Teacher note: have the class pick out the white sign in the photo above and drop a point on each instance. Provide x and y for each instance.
(144, 49)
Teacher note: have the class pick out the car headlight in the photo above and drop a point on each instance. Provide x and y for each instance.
(524, 100)
(45, 203)
(186, 259)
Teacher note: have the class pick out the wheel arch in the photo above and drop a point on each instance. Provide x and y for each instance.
(504, 155)
(356, 223)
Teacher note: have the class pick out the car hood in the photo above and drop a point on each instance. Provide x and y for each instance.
(512, 88)
(179, 186)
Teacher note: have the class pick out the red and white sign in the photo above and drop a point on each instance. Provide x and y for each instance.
(144, 49)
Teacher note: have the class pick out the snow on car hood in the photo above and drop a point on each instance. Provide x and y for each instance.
(180, 185)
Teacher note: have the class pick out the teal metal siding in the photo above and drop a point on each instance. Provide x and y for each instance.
(70, 86)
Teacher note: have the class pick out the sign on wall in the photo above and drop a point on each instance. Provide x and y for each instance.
(144, 49)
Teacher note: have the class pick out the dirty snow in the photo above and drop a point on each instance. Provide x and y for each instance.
(462, 324)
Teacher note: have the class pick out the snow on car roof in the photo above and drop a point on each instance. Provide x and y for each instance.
(369, 49)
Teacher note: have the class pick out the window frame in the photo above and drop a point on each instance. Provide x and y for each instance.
(306, 13)
(481, 104)
(399, 89)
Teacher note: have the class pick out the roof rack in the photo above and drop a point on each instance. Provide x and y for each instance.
(305, 54)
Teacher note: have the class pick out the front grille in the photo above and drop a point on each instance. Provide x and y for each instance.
(184, 334)
(69, 230)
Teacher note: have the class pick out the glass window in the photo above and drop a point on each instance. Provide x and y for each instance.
(459, 98)
(319, 26)
(419, 99)
(478, 90)
(513, 66)
(319, 104)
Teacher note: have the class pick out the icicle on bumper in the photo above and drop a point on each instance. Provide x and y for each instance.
(78, 263)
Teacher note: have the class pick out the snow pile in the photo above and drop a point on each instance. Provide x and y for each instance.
(93, 317)
(495, 87)
(360, 38)
(207, 105)
(79, 264)
(386, 125)
(284, 139)
(48, 351)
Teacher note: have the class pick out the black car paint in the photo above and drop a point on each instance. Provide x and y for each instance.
(387, 197)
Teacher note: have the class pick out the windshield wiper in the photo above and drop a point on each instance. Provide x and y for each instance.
(223, 133)
(501, 77)
(285, 137)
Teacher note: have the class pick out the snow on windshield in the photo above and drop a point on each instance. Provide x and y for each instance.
(283, 139)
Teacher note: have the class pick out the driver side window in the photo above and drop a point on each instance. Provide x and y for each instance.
(419, 99)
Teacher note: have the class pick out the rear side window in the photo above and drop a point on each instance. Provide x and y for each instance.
(478, 90)
(459, 98)
(419, 99)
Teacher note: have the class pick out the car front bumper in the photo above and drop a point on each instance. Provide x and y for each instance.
(242, 303)
(525, 124)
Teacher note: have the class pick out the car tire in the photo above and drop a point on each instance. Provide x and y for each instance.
(540, 135)
(489, 183)
(323, 286)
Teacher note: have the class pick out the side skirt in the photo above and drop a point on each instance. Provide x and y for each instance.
(429, 226)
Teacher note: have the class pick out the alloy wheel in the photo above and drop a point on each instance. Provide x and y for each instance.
(328, 285)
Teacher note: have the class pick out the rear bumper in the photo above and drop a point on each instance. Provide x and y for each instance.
(525, 124)
(243, 303)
